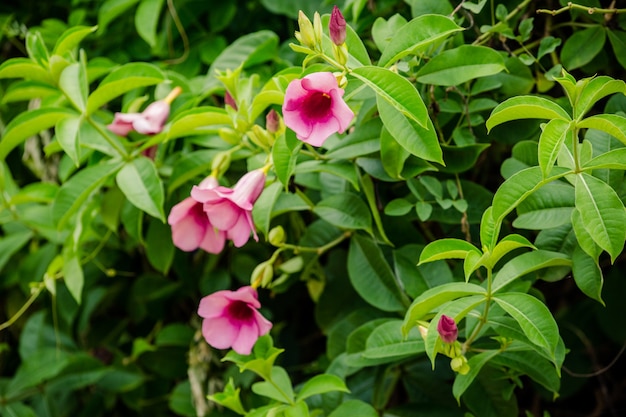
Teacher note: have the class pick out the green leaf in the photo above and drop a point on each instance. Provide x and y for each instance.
(417, 36)
(11, 244)
(73, 83)
(526, 107)
(248, 50)
(346, 211)
(321, 384)
(24, 68)
(197, 121)
(506, 245)
(596, 89)
(585, 241)
(613, 124)
(27, 90)
(549, 206)
(68, 136)
(73, 274)
(122, 80)
(587, 274)
(110, 10)
(159, 246)
(615, 159)
(617, 38)
(280, 389)
(461, 64)
(36, 48)
(341, 169)
(489, 229)
(413, 137)
(447, 248)
(71, 38)
(534, 318)
(387, 341)
(74, 192)
(580, 48)
(396, 90)
(525, 264)
(372, 201)
(191, 166)
(29, 123)
(353, 408)
(552, 137)
(476, 363)
(147, 19)
(263, 207)
(372, 277)
(602, 213)
(141, 184)
(43, 365)
(532, 364)
(16, 409)
(436, 296)
(284, 154)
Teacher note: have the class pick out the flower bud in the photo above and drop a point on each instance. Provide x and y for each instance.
(317, 28)
(229, 135)
(337, 27)
(229, 100)
(460, 365)
(447, 329)
(262, 274)
(272, 121)
(220, 163)
(306, 35)
(277, 236)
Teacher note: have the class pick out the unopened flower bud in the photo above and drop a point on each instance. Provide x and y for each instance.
(220, 163)
(277, 236)
(229, 100)
(460, 365)
(337, 27)
(229, 135)
(262, 275)
(423, 331)
(306, 35)
(260, 136)
(447, 329)
(317, 28)
(272, 121)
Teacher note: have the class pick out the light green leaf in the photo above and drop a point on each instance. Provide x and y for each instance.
(74, 192)
(280, 389)
(413, 137)
(476, 362)
(342, 169)
(489, 229)
(526, 107)
(387, 341)
(436, 296)
(263, 207)
(321, 384)
(147, 19)
(372, 277)
(525, 264)
(447, 248)
(73, 274)
(549, 206)
(417, 36)
(587, 274)
(29, 123)
(372, 202)
(585, 241)
(602, 213)
(596, 89)
(141, 184)
(197, 121)
(461, 64)
(122, 80)
(191, 166)
(346, 211)
(73, 83)
(613, 124)
(615, 159)
(506, 245)
(251, 49)
(284, 154)
(27, 90)
(550, 142)
(68, 136)
(24, 68)
(534, 318)
(71, 38)
(11, 244)
(396, 90)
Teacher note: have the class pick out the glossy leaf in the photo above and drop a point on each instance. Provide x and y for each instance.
(110, 10)
(525, 264)
(461, 64)
(615, 159)
(372, 277)
(435, 297)
(506, 245)
(247, 50)
(197, 121)
(71, 38)
(447, 248)
(476, 363)
(73, 275)
(533, 317)
(352, 408)
(122, 80)
(414, 138)
(596, 89)
(280, 389)
(531, 364)
(346, 211)
(28, 124)
(147, 20)
(262, 210)
(587, 274)
(140, 183)
(396, 90)
(613, 124)
(24, 68)
(549, 206)
(581, 47)
(418, 35)
(74, 192)
(68, 136)
(584, 238)
(602, 213)
(27, 90)
(526, 107)
(285, 153)
(387, 341)
(321, 384)
(552, 137)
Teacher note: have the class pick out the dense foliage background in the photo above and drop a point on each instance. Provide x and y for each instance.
(133, 346)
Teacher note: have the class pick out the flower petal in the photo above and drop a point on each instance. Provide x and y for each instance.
(223, 215)
(214, 305)
(247, 337)
(246, 294)
(214, 240)
(239, 232)
(220, 332)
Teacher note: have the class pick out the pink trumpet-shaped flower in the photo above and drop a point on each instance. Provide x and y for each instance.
(191, 228)
(148, 122)
(447, 329)
(314, 108)
(231, 319)
(230, 210)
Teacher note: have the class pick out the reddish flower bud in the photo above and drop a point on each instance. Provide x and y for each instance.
(337, 27)
(229, 100)
(447, 329)
(272, 122)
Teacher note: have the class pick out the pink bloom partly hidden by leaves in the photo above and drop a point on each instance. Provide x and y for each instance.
(447, 329)
(148, 122)
(314, 108)
(191, 228)
(230, 210)
(231, 319)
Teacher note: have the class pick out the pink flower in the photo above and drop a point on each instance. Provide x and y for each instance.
(231, 319)
(191, 228)
(314, 108)
(230, 210)
(337, 27)
(148, 122)
(447, 329)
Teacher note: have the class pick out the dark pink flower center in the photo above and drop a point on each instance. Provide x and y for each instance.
(240, 310)
(317, 105)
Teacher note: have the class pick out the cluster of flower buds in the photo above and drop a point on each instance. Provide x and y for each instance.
(310, 35)
(451, 347)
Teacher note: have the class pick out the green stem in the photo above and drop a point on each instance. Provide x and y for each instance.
(590, 10)
(23, 309)
(486, 36)
(483, 317)
(121, 150)
(320, 249)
